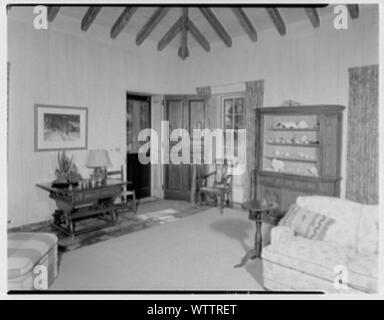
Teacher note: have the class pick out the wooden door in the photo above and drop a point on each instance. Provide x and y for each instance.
(187, 112)
(138, 118)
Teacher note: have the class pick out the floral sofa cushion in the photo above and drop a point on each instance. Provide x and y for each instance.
(346, 214)
(306, 223)
(352, 241)
(368, 230)
(318, 258)
(363, 272)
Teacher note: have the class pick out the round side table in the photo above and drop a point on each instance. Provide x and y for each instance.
(257, 209)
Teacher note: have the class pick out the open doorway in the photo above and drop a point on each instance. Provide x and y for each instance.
(138, 117)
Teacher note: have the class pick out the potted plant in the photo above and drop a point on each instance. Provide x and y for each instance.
(66, 173)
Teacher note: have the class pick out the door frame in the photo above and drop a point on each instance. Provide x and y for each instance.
(141, 97)
(186, 100)
(165, 166)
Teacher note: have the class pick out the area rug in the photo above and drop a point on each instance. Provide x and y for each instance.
(149, 214)
(162, 216)
(197, 252)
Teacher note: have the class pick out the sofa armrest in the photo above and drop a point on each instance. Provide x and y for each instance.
(281, 234)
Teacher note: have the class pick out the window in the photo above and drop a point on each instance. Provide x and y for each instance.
(233, 118)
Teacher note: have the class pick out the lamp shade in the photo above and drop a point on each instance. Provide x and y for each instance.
(98, 158)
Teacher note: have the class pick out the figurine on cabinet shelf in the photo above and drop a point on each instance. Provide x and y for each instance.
(277, 165)
(277, 125)
(302, 125)
(304, 140)
(290, 103)
(313, 172)
(284, 125)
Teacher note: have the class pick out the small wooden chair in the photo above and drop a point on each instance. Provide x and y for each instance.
(122, 201)
(218, 184)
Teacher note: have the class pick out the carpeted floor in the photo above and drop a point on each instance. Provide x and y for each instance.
(198, 252)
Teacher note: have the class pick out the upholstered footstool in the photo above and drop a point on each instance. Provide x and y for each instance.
(32, 260)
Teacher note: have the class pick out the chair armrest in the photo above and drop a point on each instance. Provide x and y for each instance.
(281, 234)
(203, 178)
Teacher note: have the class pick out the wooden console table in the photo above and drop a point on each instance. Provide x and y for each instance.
(77, 203)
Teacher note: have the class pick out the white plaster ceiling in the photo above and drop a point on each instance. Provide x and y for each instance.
(258, 16)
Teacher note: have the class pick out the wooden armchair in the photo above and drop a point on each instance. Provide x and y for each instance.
(123, 200)
(218, 184)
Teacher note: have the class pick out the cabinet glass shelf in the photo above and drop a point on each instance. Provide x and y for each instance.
(285, 133)
(293, 159)
(300, 145)
(294, 130)
(298, 152)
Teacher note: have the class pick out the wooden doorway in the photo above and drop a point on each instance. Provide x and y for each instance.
(187, 112)
(138, 118)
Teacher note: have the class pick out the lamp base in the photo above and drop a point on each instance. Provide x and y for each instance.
(100, 175)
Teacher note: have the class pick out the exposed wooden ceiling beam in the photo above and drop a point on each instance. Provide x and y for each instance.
(89, 17)
(170, 35)
(183, 50)
(245, 23)
(353, 10)
(216, 25)
(151, 24)
(52, 12)
(198, 36)
(277, 20)
(122, 21)
(313, 16)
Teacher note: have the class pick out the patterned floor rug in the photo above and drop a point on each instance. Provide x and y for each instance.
(149, 214)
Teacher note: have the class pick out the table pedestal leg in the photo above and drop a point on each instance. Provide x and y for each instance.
(256, 251)
(258, 240)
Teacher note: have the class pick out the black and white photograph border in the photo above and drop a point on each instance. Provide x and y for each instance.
(279, 104)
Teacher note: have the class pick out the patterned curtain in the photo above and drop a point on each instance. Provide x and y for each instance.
(254, 98)
(198, 170)
(362, 154)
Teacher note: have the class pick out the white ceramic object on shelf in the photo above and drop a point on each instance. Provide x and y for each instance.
(277, 165)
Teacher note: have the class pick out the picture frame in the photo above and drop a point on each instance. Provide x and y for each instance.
(60, 127)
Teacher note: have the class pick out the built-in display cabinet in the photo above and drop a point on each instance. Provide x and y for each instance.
(298, 152)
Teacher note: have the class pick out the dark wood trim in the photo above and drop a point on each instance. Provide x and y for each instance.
(353, 10)
(52, 12)
(312, 109)
(245, 23)
(89, 17)
(313, 16)
(138, 96)
(199, 37)
(277, 20)
(216, 25)
(151, 24)
(146, 98)
(122, 21)
(170, 35)
(183, 50)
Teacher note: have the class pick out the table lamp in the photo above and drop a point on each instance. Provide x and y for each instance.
(99, 160)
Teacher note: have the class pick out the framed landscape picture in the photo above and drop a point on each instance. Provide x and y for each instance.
(59, 127)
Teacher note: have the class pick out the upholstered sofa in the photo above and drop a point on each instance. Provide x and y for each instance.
(32, 260)
(344, 261)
